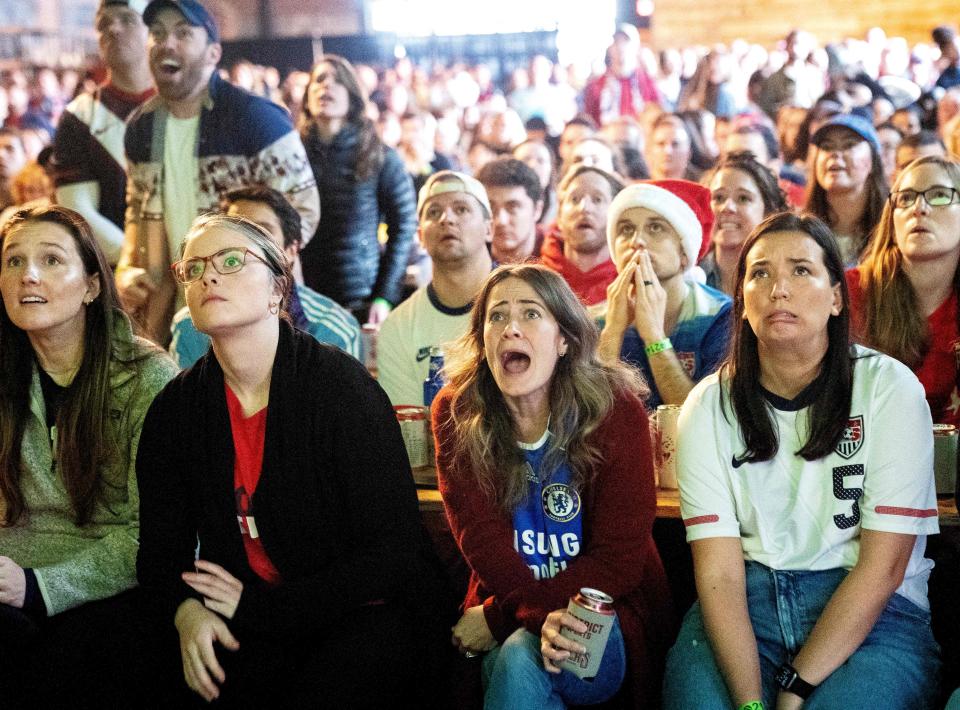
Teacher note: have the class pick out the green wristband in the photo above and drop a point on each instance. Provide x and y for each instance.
(752, 705)
(658, 347)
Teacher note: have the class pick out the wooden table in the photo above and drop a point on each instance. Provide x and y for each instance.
(668, 505)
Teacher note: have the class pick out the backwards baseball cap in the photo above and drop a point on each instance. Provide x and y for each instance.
(859, 125)
(135, 5)
(450, 181)
(192, 11)
(684, 204)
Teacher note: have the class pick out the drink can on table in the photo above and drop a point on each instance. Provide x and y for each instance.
(945, 458)
(595, 609)
(415, 428)
(665, 453)
(368, 337)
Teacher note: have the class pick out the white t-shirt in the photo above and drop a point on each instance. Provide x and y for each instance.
(793, 514)
(406, 336)
(180, 178)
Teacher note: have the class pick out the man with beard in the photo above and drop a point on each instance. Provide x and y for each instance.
(576, 247)
(669, 150)
(516, 201)
(659, 318)
(454, 215)
(199, 138)
(89, 168)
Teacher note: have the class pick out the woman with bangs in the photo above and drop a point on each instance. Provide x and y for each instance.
(75, 388)
(904, 294)
(743, 192)
(544, 464)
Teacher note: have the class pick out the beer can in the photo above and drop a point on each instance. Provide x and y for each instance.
(665, 454)
(945, 458)
(415, 428)
(368, 337)
(595, 609)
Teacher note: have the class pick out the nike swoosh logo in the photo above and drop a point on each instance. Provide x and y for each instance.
(737, 463)
(423, 354)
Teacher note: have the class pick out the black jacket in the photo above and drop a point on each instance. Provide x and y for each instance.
(344, 260)
(335, 506)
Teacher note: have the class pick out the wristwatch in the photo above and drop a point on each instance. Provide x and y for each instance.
(788, 679)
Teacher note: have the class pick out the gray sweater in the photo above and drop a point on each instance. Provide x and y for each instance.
(77, 565)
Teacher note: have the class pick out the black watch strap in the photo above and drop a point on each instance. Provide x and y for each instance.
(788, 679)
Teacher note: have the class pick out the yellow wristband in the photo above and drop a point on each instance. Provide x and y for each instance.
(658, 347)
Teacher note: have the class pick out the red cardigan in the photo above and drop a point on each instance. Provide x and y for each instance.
(618, 556)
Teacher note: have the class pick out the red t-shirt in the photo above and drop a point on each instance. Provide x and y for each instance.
(938, 371)
(248, 437)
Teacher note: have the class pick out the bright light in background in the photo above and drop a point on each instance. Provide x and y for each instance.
(582, 33)
(645, 8)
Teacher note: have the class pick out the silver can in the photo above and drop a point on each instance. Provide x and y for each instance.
(595, 609)
(665, 452)
(945, 458)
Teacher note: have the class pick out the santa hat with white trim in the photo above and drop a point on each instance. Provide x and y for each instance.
(684, 204)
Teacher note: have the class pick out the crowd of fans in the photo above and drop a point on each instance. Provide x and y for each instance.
(713, 226)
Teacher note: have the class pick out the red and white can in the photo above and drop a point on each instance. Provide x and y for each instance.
(665, 454)
(595, 609)
(415, 428)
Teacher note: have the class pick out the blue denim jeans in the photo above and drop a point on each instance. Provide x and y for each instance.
(515, 679)
(896, 667)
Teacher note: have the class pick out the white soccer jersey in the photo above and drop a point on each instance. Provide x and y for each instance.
(792, 514)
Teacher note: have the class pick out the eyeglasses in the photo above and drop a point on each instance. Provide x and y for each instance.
(936, 196)
(225, 261)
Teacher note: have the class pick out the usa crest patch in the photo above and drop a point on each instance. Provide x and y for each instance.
(852, 437)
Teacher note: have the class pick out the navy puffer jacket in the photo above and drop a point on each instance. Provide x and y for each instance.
(344, 260)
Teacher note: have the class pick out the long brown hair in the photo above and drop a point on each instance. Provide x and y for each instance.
(582, 393)
(370, 149)
(892, 321)
(830, 410)
(876, 191)
(85, 440)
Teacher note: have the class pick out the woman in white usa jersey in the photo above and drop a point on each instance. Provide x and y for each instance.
(805, 469)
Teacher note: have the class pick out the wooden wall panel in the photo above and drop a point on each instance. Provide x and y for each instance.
(679, 23)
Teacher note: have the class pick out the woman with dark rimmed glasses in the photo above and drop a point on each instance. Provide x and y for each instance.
(284, 460)
(904, 294)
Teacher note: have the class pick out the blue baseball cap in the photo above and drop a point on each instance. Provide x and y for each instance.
(192, 11)
(851, 121)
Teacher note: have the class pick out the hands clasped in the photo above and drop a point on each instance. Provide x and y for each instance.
(636, 297)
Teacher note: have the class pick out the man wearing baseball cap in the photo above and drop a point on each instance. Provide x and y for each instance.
(454, 215)
(89, 167)
(659, 316)
(199, 138)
